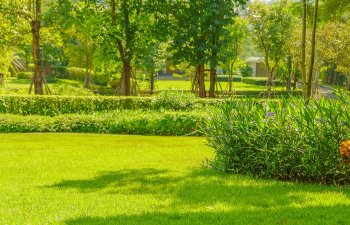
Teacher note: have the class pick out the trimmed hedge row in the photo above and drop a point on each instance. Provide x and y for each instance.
(261, 81)
(225, 78)
(56, 105)
(145, 123)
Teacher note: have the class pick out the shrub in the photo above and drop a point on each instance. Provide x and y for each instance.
(282, 139)
(246, 71)
(174, 99)
(59, 71)
(76, 73)
(55, 105)
(225, 78)
(24, 75)
(261, 81)
(120, 122)
(100, 78)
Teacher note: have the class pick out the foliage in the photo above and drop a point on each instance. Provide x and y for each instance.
(271, 30)
(283, 140)
(116, 122)
(55, 105)
(246, 71)
(225, 78)
(261, 81)
(174, 99)
(24, 75)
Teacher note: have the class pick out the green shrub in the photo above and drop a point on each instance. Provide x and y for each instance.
(24, 75)
(261, 81)
(100, 78)
(120, 122)
(55, 105)
(246, 71)
(174, 99)
(76, 73)
(225, 78)
(282, 139)
(59, 71)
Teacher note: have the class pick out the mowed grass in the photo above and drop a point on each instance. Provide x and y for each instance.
(186, 85)
(71, 87)
(108, 179)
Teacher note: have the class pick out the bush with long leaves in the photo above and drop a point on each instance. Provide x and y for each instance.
(283, 139)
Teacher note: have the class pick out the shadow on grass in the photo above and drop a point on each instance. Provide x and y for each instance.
(130, 181)
(212, 198)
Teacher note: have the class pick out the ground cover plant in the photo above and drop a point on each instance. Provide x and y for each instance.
(283, 139)
(143, 122)
(106, 179)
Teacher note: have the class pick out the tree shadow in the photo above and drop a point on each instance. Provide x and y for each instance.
(205, 195)
(143, 181)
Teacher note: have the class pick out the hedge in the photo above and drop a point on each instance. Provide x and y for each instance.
(261, 81)
(56, 105)
(24, 75)
(225, 78)
(140, 123)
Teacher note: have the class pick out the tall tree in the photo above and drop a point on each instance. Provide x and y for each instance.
(202, 30)
(303, 46)
(271, 30)
(308, 84)
(38, 78)
(79, 25)
(133, 23)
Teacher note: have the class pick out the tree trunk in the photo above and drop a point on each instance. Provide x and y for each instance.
(312, 57)
(212, 83)
(289, 79)
(295, 80)
(152, 84)
(125, 79)
(230, 79)
(303, 48)
(87, 79)
(37, 79)
(269, 84)
(201, 82)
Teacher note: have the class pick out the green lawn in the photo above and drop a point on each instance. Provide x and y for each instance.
(186, 85)
(71, 87)
(106, 179)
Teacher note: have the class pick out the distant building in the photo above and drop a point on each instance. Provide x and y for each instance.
(258, 66)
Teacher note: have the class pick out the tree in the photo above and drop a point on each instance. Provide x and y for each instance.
(79, 25)
(234, 46)
(151, 61)
(133, 25)
(29, 12)
(202, 31)
(271, 30)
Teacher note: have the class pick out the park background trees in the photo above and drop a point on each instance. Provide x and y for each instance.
(124, 39)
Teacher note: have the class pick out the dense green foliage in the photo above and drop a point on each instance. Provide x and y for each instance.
(24, 75)
(117, 122)
(282, 139)
(226, 78)
(55, 105)
(261, 81)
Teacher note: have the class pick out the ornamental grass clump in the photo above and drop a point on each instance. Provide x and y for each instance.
(283, 139)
